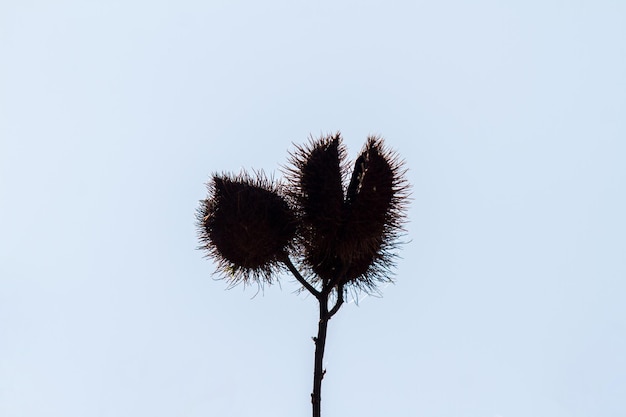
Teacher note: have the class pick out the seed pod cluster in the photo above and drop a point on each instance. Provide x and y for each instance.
(343, 233)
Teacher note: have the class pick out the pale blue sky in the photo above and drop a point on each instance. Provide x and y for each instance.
(510, 297)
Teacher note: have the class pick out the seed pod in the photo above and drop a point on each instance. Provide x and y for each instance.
(316, 187)
(373, 215)
(246, 226)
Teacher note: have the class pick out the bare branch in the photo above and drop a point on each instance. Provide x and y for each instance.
(339, 302)
(300, 278)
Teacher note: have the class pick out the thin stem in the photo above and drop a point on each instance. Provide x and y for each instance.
(300, 278)
(319, 371)
(320, 344)
(339, 302)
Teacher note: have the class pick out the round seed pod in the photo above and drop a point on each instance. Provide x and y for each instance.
(246, 226)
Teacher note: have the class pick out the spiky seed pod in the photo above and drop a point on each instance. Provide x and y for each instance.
(246, 226)
(373, 215)
(355, 234)
(316, 187)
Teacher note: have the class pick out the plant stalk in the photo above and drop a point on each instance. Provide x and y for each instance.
(319, 371)
(320, 344)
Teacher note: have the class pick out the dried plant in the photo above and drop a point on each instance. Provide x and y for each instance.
(343, 236)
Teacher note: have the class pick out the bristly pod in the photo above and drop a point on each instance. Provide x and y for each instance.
(316, 189)
(246, 226)
(374, 213)
(348, 238)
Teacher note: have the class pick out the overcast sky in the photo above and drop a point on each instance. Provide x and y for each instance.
(509, 298)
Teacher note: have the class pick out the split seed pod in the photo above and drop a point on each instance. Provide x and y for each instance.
(348, 238)
(246, 226)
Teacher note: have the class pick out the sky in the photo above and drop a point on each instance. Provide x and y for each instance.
(509, 291)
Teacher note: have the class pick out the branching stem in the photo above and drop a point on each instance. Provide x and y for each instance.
(325, 315)
(300, 278)
(339, 302)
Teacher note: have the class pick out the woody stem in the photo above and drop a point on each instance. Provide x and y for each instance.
(320, 343)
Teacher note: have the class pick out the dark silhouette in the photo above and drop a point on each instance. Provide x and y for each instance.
(342, 237)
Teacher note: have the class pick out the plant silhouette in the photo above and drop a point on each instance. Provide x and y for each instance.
(341, 233)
